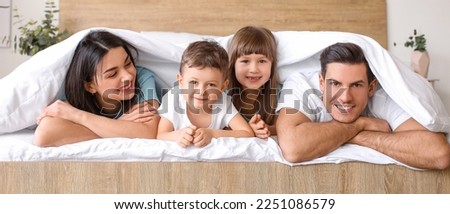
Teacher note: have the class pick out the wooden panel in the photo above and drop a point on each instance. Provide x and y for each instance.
(201, 177)
(217, 17)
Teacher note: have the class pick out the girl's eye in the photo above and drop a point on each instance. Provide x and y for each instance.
(212, 85)
(243, 61)
(262, 61)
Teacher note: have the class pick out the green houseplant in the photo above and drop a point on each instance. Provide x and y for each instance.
(34, 38)
(420, 60)
(417, 42)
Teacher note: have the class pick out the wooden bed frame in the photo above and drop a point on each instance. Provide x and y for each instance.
(215, 17)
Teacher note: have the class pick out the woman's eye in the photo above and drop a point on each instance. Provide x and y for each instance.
(111, 74)
(128, 64)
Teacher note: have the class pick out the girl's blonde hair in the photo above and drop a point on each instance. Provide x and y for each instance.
(255, 40)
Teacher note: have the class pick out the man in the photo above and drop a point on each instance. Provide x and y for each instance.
(313, 123)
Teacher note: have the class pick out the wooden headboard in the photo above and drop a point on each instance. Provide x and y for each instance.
(218, 17)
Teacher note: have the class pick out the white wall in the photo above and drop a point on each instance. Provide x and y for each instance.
(430, 17)
(28, 10)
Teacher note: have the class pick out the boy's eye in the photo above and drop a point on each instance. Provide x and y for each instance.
(212, 85)
(192, 82)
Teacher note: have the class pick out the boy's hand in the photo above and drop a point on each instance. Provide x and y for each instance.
(187, 136)
(202, 137)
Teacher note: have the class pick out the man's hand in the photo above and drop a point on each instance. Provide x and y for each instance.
(372, 124)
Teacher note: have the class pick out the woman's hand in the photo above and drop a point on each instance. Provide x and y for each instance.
(259, 127)
(141, 113)
(58, 109)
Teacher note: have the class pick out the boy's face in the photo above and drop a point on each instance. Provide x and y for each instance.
(201, 87)
(346, 90)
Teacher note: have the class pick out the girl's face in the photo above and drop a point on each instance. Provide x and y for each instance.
(253, 71)
(115, 78)
(201, 87)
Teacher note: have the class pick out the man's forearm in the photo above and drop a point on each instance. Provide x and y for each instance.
(421, 149)
(310, 140)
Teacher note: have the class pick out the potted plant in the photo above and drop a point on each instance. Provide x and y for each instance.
(34, 38)
(420, 59)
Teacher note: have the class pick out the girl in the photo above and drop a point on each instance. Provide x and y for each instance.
(253, 78)
(197, 110)
(102, 83)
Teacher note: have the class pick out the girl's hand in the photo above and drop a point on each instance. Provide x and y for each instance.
(141, 113)
(202, 137)
(259, 127)
(58, 109)
(187, 136)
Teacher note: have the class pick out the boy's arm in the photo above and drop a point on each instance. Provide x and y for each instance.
(183, 137)
(410, 143)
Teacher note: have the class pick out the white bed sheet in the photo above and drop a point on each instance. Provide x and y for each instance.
(18, 146)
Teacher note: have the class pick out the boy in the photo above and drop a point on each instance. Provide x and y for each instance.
(197, 110)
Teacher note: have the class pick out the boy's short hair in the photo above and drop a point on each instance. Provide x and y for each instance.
(203, 54)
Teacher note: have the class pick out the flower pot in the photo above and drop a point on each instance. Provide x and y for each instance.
(420, 62)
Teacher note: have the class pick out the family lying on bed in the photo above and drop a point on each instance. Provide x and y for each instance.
(235, 94)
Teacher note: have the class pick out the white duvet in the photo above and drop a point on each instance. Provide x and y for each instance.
(35, 84)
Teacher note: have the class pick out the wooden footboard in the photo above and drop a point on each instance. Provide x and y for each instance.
(205, 177)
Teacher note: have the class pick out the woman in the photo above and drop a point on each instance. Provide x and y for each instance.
(106, 95)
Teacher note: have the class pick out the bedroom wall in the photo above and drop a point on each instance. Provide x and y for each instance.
(432, 19)
(428, 17)
(28, 10)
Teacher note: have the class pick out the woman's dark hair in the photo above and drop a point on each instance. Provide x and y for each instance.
(347, 53)
(88, 54)
(255, 40)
